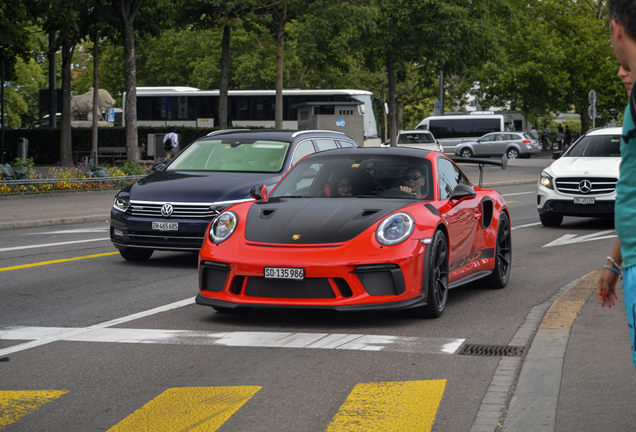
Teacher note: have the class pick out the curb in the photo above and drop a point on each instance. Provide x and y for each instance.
(54, 222)
(509, 183)
(523, 394)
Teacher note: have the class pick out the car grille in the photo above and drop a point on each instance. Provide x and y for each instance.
(598, 185)
(179, 210)
(169, 240)
(308, 288)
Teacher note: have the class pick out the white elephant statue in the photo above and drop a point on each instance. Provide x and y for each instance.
(84, 103)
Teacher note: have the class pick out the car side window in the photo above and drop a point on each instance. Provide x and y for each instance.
(449, 176)
(325, 144)
(303, 149)
(489, 137)
(344, 144)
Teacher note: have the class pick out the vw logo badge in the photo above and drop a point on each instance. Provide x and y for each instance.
(166, 210)
(585, 186)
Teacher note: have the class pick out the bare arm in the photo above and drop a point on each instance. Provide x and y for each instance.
(606, 291)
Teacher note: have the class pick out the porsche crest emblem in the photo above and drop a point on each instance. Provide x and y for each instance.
(296, 236)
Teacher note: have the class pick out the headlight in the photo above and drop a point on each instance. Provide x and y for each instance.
(121, 204)
(546, 180)
(223, 227)
(395, 229)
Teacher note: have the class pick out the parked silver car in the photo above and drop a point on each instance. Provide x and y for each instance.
(513, 144)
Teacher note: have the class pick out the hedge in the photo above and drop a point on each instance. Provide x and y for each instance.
(44, 143)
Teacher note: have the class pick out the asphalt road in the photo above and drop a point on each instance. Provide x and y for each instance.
(99, 343)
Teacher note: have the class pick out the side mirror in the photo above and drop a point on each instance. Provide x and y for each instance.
(259, 192)
(462, 191)
(557, 154)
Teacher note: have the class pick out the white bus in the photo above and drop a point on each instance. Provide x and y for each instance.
(450, 130)
(189, 106)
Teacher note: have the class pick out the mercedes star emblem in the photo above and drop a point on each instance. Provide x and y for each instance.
(585, 186)
(166, 210)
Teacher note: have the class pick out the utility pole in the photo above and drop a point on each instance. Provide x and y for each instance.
(441, 92)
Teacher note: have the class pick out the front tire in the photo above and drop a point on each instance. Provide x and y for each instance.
(551, 220)
(513, 153)
(136, 254)
(436, 280)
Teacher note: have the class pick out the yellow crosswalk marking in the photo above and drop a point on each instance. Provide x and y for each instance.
(188, 408)
(16, 404)
(390, 406)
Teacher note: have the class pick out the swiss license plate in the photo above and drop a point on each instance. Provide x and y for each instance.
(165, 226)
(284, 273)
(586, 200)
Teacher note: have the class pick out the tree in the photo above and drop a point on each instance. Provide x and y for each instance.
(562, 53)
(224, 14)
(128, 10)
(434, 35)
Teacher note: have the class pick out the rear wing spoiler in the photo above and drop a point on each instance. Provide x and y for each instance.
(503, 163)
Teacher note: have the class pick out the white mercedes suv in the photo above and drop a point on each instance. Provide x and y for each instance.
(581, 182)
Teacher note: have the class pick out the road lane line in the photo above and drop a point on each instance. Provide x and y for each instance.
(188, 409)
(510, 202)
(69, 332)
(57, 261)
(407, 406)
(52, 244)
(518, 193)
(525, 226)
(350, 342)
(16, 404)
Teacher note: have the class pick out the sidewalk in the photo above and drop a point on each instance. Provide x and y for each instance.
(575, 374)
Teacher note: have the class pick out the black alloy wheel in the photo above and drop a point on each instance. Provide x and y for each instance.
(436, 279)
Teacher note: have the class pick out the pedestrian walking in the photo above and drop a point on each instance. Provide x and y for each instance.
(171, 143)
(567, 137)
(559, 137)
(622, 259)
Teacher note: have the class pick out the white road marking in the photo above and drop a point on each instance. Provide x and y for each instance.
(519, 193)
(353, 342)
(525, 226)
(573, 238)
(63, 333)
(51, 244)
(72, 231)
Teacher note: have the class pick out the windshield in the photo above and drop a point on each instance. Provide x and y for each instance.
(362, 176)
(231, 154)
(597, 146)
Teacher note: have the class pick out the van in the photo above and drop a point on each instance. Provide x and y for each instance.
(451, 130)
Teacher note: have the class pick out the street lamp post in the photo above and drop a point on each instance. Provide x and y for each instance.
(2, 110)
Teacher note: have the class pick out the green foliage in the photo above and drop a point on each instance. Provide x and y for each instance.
(133, 168)
(8, 173)
(21, 163)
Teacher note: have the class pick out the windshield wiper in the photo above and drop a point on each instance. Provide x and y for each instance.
(365, 196)
(292, 196)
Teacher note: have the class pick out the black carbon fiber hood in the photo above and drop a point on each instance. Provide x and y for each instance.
(329, 220)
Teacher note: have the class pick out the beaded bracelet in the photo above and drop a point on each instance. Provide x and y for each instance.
(614, 263)
(612, 269)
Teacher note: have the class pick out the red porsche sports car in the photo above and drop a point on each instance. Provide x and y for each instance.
(358, 229)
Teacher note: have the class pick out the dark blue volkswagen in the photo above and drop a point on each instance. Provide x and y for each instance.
(171, 208)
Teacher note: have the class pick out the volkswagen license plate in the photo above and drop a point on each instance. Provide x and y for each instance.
(587, 200)
(284, 273)
(165, 226)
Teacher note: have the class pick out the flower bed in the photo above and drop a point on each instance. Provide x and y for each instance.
(38, 186)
